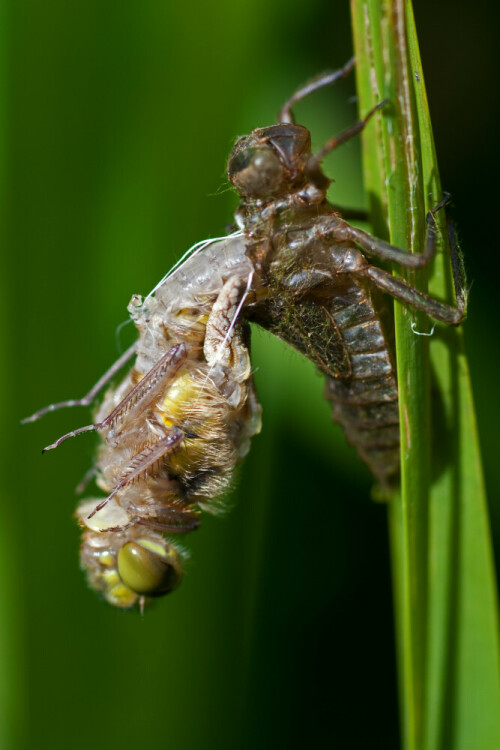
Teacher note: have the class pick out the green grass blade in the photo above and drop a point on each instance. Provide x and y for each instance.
(12, 662)
(446, 610)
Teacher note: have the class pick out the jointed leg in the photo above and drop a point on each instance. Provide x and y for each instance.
(142, 461)
(313, 168)
(180, 522)
(223, 342)
(386, 251)
(140, 397)
(186, 522)
(401, 290)
(325, 79)
(90, 396)
(419, 300)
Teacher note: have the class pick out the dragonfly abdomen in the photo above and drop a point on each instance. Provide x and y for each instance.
(365, 402)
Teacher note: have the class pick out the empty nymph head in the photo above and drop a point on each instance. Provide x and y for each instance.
(269, 161)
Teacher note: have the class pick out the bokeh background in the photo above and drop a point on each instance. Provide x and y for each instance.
(118, 118)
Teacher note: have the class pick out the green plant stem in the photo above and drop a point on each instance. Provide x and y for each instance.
(441, 548)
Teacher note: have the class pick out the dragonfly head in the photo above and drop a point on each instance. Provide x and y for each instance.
(127, 565)
(270, 161)
(148, 569)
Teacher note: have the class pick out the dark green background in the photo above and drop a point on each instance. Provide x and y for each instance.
(118, 121)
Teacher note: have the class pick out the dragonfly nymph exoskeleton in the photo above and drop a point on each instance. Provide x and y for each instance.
(173, 430)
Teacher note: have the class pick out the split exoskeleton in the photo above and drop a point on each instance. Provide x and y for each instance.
(174, 429)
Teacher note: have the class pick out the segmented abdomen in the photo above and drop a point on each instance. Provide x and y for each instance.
(365, 402)
(343, 335)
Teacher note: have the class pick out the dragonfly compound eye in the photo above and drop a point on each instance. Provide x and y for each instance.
(256, 172)
(147, 569)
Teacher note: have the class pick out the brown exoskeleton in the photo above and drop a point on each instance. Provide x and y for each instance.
(173, 430)
(319, 286)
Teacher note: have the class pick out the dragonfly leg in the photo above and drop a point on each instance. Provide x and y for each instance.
(90, 396)
(178, 523)
(170, 522)
(386, 251)
(313, 168)
(324, 79)
(140, 397)
(223, 339)
(450, 314)
(404, 292)
(142, 461)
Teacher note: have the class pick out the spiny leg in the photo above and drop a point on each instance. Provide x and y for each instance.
(142, 461)
(313, 168)
(90, 396)
(177, 514)
(386, 251)
(325, 79)
(146, 391)
(185, 522)
(140, 397)
(404, 292)
(450, 314)
(446, 313)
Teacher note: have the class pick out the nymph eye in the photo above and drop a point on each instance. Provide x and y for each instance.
(147, 569)
(241, 160)
(255, 172)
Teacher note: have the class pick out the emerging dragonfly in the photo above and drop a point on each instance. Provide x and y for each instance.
(175, 427)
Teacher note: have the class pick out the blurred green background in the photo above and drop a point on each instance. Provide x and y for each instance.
(118, 118)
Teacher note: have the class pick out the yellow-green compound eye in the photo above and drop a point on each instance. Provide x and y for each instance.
(148, 569)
